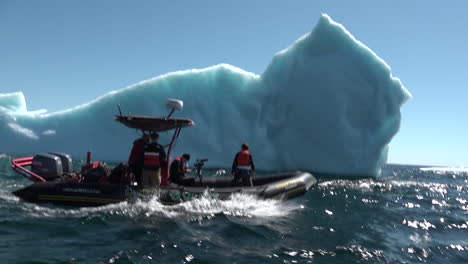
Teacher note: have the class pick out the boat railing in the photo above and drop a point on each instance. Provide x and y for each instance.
(19, 164)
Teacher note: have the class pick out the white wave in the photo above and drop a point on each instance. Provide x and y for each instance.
(8, 197)
(239, 205)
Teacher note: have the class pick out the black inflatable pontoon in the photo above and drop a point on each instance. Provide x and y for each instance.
(278, 186)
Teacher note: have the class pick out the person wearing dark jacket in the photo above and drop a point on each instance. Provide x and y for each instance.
(180, 168)
(243, 167)
(154, 158)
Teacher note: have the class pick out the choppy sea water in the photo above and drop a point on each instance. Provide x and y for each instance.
(409, 215)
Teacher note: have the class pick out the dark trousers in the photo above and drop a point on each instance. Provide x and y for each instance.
(137, 170)
(183, 180)
(243, 178)
(176, 178)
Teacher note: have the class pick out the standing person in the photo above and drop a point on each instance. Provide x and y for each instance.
(135, 160)
(180, 168)
(243, 166)
(154, 158)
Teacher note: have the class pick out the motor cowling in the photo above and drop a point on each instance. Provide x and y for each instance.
(47, 166)
(67, 163)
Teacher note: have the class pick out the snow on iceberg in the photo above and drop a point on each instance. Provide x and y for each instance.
(325, 104)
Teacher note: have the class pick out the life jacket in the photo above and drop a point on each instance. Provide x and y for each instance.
(183, 165)
(135, 155)
(243, 160)
(151, 159)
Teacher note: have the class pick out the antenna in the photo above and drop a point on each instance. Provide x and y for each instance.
(174, 104)
(120, 110)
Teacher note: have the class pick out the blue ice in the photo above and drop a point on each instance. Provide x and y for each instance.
(325, 104)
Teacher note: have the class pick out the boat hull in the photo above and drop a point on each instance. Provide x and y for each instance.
(278, 186)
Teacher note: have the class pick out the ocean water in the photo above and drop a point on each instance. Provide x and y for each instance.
(409, 215)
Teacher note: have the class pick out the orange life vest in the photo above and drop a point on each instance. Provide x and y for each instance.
(243, 160)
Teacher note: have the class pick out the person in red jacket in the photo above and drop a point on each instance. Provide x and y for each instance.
(180, 168)
(243, 166)
(135, 160)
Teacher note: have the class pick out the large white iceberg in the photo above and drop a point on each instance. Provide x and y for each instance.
(325, 104)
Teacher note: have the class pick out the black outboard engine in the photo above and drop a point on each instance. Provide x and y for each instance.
(67, 164)
(47, 166)
(199, 166)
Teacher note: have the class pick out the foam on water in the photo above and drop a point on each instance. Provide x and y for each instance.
(6, 196)
(239, 205)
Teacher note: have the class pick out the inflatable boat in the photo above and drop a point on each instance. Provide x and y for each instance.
(279, 186)
(55, 180)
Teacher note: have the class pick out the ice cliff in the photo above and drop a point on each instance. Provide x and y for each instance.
(326, 104)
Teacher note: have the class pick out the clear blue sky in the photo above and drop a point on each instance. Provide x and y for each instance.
(65, 53)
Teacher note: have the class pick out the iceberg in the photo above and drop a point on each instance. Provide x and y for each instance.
(325, 104)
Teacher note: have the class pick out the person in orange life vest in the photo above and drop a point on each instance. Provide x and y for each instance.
(154, 158)
(180, 168)
(243, 166)
(135, 160)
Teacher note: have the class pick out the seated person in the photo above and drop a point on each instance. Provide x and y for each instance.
(180, 168)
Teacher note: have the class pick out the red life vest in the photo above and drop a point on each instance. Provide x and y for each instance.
(135, 155)
(243, 160)
(183, 165)
(151, 159)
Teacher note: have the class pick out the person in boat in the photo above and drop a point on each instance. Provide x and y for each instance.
(153, 158)
(243, 166)
(180, 168)
(135, 160)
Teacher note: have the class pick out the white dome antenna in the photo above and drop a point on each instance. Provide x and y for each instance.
(174, 104)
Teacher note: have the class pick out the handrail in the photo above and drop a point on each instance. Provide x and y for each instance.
(18, 166)
(165, 176)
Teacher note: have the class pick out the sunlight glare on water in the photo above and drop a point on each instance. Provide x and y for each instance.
(408, 216)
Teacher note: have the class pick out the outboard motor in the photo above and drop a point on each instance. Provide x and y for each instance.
(67, 164)
(47, 166)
